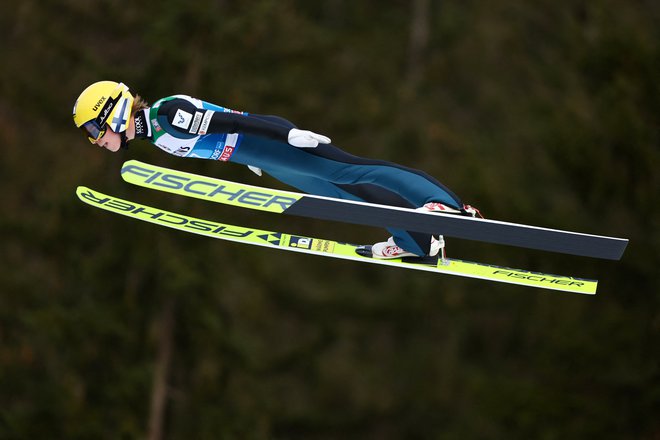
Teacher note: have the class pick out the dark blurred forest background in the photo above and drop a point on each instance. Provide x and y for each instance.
(541, 112)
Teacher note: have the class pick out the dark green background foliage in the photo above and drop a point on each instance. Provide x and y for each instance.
(541, 112)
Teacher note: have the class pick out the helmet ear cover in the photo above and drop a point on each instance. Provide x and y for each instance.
(124, 140)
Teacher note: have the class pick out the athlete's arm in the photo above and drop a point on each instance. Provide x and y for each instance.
(185, 117)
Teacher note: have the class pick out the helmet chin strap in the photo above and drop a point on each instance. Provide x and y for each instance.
(124, 141)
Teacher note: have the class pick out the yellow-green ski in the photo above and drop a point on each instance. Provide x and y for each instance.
(329, 248)
(370, 214)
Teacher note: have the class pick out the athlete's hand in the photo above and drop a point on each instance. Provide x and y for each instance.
(306, 138)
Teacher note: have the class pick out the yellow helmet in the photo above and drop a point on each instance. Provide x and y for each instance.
(102, 104)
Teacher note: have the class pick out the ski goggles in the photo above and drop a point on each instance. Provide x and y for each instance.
(93, 130)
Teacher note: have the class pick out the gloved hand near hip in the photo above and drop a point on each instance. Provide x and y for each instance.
(306, 138)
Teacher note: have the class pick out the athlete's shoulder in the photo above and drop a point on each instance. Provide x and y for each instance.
(175, 114)
(174, 100)
(168, 103)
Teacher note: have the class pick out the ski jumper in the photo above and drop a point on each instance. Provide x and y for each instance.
(188, 127)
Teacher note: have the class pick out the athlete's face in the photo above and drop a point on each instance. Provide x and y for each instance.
(111, 141)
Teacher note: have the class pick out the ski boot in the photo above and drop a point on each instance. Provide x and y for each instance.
(387, 250)
(437, 207)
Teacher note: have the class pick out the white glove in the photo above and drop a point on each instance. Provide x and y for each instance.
(255, 170)
(306, 138)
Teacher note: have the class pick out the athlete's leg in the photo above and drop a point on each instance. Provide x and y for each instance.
(416, 242)
(414, 185)
(372, 180)
(326, 170)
